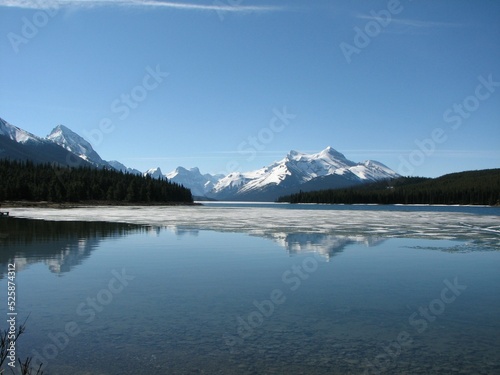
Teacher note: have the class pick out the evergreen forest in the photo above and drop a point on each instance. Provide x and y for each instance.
(480, 187)
(28, 181)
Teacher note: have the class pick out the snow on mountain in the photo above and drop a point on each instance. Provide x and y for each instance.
(372, 170)
(299, 170)
(296, 165)
(74, 143)
(200, 184)
(324, 244)
(17, 134)
(121, 167)
(62, 146)
(18, 144)
(154, 173)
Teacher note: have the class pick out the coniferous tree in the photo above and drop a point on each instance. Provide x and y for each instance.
(473, 187)
(45, 182)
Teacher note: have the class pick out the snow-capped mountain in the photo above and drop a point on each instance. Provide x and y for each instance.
(19, 144)
(72, 142)
(17, 134)
(62, 146)
(155, 173)
(123, 168)
(200, 184)
(299, 171)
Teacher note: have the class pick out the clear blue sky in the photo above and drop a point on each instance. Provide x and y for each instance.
(369, 78)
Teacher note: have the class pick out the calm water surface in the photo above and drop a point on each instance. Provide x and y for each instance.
(111, 298)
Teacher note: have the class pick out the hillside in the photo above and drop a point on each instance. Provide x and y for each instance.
(299, 171)
(44, 182)
(480, 187)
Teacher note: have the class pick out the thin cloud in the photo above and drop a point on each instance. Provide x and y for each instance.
(215, 6)
(411, 22)
(412, 26)
(424, 24)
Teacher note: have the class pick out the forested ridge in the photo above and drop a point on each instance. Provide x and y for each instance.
(480, 187)
(46, 182)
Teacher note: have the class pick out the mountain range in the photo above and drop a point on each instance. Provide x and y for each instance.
(299, 171)
(18, 144)
(296, 172)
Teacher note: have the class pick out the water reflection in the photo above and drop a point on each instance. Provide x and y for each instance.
(61, 245)
(324, 244)
(184, 302)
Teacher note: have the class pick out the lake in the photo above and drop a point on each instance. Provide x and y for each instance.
(233, 288)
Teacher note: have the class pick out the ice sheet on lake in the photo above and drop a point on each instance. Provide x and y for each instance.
(279, 223)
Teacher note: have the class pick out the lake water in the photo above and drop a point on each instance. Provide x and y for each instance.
(256, 289)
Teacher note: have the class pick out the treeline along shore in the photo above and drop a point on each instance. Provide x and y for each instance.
(480, 187)
(27, 181)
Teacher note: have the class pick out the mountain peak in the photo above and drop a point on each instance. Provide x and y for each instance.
(185, 171)
(325, 169)
(293, 154)
(27, 146)
(154, 170)
(332, 152)
(71, 141)
(155, 173)
(17, 134)
(64, 128)
(120, 167)
(63, 131)
(200, 184)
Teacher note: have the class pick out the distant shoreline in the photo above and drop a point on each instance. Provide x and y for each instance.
(46, 204)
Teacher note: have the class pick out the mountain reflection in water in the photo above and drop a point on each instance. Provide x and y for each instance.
(61, 245)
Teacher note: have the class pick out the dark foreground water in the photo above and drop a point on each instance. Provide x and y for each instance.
(122, 298)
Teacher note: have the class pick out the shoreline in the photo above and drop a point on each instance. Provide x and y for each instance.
(46, 204)
(278, 223)
(62, 205)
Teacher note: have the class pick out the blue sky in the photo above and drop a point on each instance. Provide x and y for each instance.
(235, 84)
